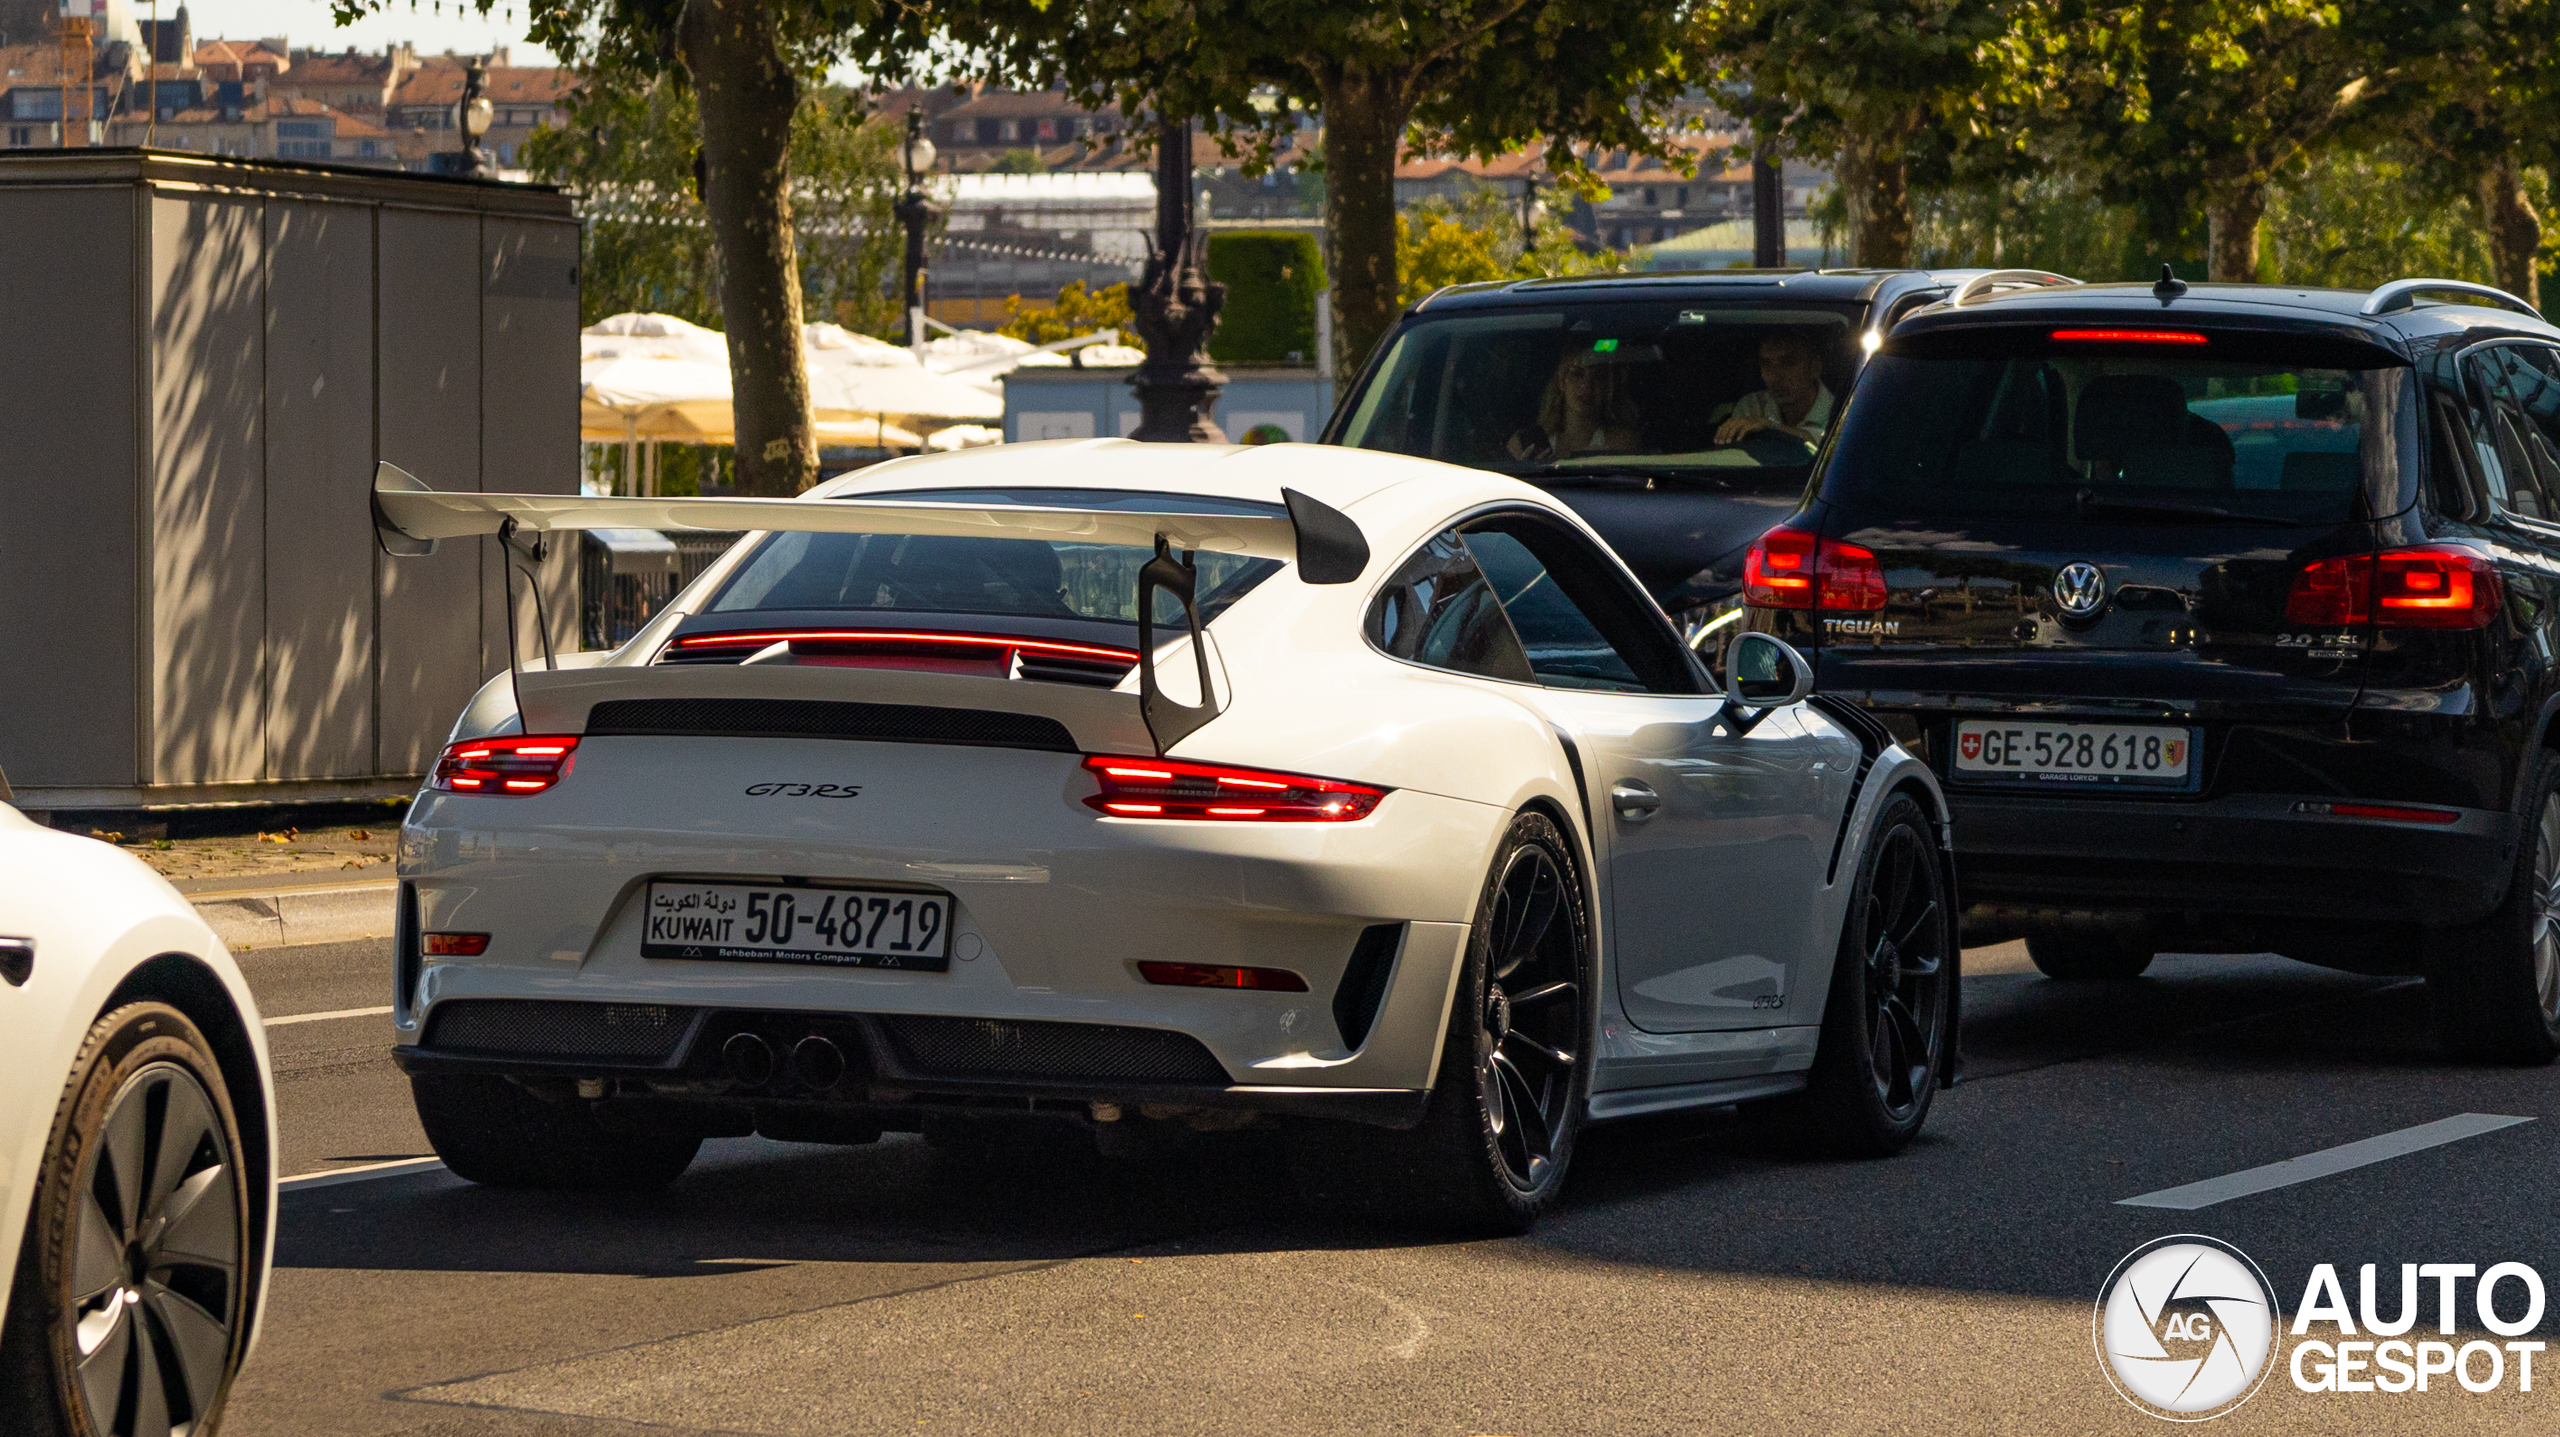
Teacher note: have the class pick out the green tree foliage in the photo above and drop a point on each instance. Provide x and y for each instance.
(1076, 313)
(1891, 91)
(2490, 120)
(1475, 77)
(2168, 103)
(1272, 282)
(627, 152)
(1477, 239)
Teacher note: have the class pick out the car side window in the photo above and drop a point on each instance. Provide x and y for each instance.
(1439, 610)
(2523, 481)
(2532, 395)
(2453, 478)
(1582, 624)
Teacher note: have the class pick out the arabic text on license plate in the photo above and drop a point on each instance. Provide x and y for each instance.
(797, 923)
(2074, 752)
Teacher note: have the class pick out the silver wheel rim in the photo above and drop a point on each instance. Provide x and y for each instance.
(2546, 909)
(155, 1275)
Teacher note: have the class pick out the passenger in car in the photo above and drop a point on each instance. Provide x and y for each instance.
(1586, 410)
(1793, 399)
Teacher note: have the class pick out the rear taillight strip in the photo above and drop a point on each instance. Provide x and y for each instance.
(1154, 788)
(697, 643)
(1793, 569)
(510, 766)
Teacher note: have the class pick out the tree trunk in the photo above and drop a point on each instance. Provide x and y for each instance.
(1364, 120)
(748, 96)
(2231, 215)
(1876, 181)
(2515, 231)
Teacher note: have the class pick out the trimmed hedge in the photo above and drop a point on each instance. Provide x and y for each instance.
(1272, 282)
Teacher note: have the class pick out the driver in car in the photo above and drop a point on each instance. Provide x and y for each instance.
(1794, 401)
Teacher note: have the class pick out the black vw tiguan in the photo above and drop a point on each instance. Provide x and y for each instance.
(2229, 615)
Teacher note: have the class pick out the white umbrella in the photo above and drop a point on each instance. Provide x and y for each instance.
(652, 336)
(630, 398)
(852, 375)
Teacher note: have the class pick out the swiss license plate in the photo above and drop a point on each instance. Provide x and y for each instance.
(2075, 752)
(798, 923)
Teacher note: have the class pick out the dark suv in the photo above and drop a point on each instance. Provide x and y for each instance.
(1644, 401)
(2229, 615)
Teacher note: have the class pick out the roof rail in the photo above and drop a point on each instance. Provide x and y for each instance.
(2403, 294)
(1992, 281)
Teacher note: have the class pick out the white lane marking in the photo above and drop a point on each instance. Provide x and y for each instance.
(367, 1172)
(325, 1017)
(2324, 1163)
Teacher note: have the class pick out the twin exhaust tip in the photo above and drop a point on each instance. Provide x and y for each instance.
(816, 1062)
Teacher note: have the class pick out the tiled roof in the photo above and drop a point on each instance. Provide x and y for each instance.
(1009, 104)
(313, 70)
(237, 57)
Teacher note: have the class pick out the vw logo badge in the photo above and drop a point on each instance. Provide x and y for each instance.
(2081, 589)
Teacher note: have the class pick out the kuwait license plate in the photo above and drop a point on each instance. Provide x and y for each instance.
(798, 923)
(2075, 753)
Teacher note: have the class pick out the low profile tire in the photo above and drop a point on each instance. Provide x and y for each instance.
(2072, 957)
(1886, 1026)
(1493, 1146)
(128, 1312)
(2494, 986)
(495, 1133)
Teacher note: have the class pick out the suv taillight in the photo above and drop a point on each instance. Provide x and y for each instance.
(515, 765)
(1170, 788)
(2423, 588)
(1791, 569)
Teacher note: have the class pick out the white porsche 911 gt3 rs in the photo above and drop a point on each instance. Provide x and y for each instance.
(1145, 783)
(137, 1141)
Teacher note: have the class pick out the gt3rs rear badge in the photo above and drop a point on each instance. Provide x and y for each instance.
(804, 790)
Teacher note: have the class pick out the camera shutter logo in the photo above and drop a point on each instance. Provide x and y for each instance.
(2081, 589)
(2186, 1328)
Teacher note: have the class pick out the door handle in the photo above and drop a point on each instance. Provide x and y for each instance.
(1634, 801)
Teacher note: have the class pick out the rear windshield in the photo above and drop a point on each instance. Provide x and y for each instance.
(1637, 388)
(2125, 433)
(1026, 578)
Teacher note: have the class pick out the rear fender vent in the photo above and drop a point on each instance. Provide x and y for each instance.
(1364, 981)
(820, 718)
(997, 1049)
(646, 1033)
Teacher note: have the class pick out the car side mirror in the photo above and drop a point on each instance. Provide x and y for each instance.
(1763, 671)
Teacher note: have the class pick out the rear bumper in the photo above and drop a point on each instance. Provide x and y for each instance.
(889, 1072)
(2258, 855)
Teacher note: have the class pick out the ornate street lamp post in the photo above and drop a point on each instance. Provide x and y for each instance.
(1176, 310)
(472, 116)
(915, 211)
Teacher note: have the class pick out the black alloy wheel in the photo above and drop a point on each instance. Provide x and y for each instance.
(1887, 1024)
(1902, 930)
(130, 1300)
(1530, 1029)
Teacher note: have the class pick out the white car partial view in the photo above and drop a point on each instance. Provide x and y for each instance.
(1361, 795)
(137, 1122)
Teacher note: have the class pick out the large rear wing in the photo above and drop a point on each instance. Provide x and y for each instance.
(1322, 542)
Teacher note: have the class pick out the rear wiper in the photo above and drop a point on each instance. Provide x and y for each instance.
(2087, 504)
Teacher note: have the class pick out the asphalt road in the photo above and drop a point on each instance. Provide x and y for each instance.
(1695, 1282)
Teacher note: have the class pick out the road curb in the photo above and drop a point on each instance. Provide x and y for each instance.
(290, 918)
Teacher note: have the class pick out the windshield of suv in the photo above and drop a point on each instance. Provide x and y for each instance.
(2122, 432)
(1027, 578)
(1638, 388)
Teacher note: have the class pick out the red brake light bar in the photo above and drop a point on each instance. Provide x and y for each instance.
(1791, 569)
(1171, 788)
(455, 945)
(511, 766)
(2397, 813)
(696, 643)
(2422, 588)
(2128, 336)
(1204, 975)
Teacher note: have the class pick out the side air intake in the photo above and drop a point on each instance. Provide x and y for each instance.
(1364, 981)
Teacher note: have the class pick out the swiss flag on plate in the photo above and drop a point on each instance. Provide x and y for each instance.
(1970, 745)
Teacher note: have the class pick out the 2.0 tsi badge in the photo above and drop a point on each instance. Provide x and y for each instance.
(2081, 589)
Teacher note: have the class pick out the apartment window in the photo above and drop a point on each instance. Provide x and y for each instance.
(302, 129)
(1048, 129)
(302, 149)
(1651, 198)
(22, 136)
(987, 134)
(366, 149)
